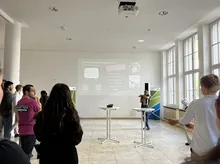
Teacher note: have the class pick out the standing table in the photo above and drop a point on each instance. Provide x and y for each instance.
(143, 131)
(108, 125)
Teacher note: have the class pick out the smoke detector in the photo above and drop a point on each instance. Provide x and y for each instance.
(128, 8)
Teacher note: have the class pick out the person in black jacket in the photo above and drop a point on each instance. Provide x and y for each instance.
(58, 128)
(10, 152)
(6, 110)
(43, 98)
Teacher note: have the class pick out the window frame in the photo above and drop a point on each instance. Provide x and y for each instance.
(193, 70)
(171, 92)
(215, 66)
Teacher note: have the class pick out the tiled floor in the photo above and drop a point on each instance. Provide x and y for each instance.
(169, 144)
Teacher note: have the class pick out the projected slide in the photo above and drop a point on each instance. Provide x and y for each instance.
(104, 77)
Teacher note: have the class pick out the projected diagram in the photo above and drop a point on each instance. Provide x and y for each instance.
(108, 77)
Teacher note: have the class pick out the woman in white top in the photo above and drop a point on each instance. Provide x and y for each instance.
(16, 97)
(203, 111)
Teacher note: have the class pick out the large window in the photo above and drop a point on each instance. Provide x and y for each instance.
(191, 68)
(215, 47)
(171, 71)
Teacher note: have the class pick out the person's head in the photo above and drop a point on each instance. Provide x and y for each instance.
(8, 85)
(29, 90)
(146, 92)
(209, 84)
(43, 93)
(19, 88)
(60, 104)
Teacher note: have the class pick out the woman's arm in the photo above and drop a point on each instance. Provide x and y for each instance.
(38, 126)
(76, 133)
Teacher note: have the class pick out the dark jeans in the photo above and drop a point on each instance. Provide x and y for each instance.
(6, 122)
(146, 123)
(27, 144)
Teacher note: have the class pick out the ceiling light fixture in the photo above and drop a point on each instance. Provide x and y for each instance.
(163, 13)
(141, 41)
(149, 30)
(69, 39)
(54, 9)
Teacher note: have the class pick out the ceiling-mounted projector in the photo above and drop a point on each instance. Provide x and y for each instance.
(128, 8)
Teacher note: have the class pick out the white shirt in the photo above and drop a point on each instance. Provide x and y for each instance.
(206, 134)
(16, 97)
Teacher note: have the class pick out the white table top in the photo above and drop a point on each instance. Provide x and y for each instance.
(143, 109)
(106, 108)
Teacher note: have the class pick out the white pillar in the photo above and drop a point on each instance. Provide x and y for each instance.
(179, 73)
(204, 51)
(12, 52)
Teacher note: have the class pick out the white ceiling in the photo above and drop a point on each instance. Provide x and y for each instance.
(94, 25)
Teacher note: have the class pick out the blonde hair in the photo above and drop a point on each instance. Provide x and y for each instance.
(211, 82)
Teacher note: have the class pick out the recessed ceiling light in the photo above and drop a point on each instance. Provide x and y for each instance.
(54, 9)
(62, 27)
(141, 41)
(163, 13)
(69, 39)
(149, 30)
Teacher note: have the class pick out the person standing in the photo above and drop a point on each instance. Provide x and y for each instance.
(43, 98)
(27, 108)
(10, 152)
(58, 128)
(204, 113)
(144, 100)
(6, 110)
(16, 97)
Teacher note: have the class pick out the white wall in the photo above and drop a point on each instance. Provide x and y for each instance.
(45, 68)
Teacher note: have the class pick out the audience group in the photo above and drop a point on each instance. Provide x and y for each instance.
(54, 122)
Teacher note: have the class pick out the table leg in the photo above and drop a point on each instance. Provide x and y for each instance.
(108, 130)
(143, 135)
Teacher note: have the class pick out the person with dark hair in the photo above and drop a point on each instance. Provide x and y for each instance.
(144, 100)
(27, 108)
(6, 110)
(43, 98)
(58, 128)
(203, 111)
(16, 97)
(10, 152)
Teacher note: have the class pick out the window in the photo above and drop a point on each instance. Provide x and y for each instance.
(171, 90)
(215, 47)
(216, 71)
(191, 68)
(171, 85)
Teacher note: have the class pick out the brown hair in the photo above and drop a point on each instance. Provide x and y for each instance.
(18, 87)
(211, 82)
